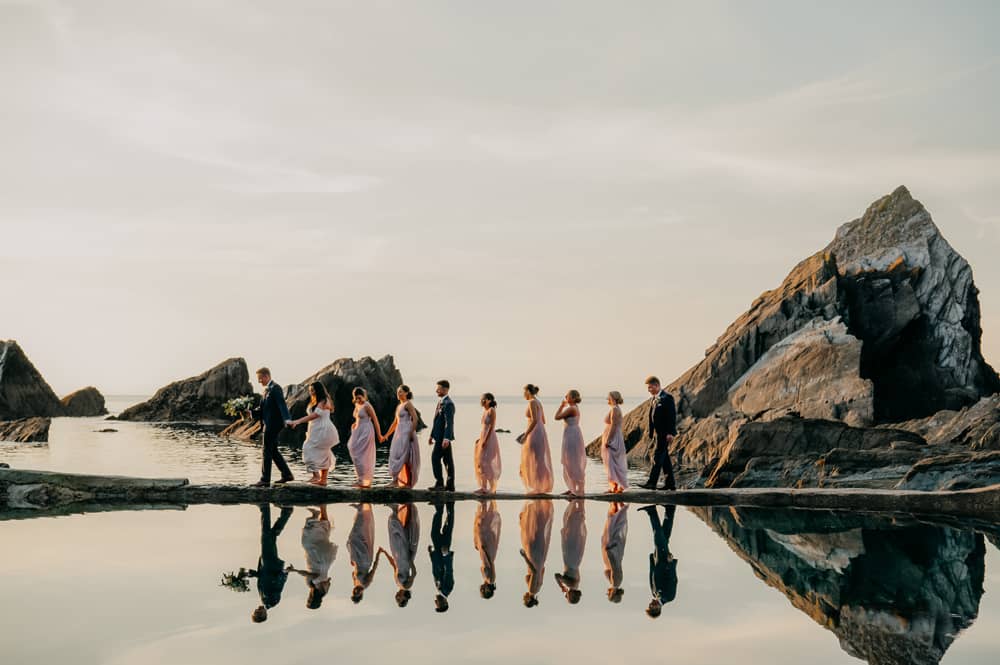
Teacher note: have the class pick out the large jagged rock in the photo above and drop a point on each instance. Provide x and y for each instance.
(25, 430)
(83, 403)
(892, 595)
(197, 398)
(380, 378)
(976, 427)
(880, 326)
(23, 391)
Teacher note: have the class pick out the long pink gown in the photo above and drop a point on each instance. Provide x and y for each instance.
(613, 543)
(613, 449)
(486, 536)
(404, 539)
(574, 542)
(361, 445)
(487, 454)
(536, 460)
(574, 455)
(404, 451)
(536, 532)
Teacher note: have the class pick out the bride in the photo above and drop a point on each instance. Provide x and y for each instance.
(321, 437)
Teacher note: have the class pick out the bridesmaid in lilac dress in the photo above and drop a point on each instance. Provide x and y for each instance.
(487, 452)
(404, 451)
(574, 542)
(404, 539)
(364, 432)
(613, 547)
(486, 536)
(536, 531)
(536, 461)
(574, 453)
(613, 446)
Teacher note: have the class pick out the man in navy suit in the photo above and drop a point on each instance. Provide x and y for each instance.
(442, 434)
(273, 413)
(662, 426)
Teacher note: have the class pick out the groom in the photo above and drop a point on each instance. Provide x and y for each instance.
(662, 426)
(442, 434)
(273, 413)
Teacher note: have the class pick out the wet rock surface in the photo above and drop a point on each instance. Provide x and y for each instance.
(25, 430)
(197, 398)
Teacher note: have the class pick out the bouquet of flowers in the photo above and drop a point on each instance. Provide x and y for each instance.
(239, 405)
(238, 582)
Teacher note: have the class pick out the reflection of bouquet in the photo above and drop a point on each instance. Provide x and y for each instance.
(238, 582)
(238, 405)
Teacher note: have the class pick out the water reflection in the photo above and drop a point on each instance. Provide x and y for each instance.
(320, 553)
(574, 542)
(270, 572)
(536, 531)
(442, 556)
(404, 539)
(486, 538)
(613, 549)
(361, 546)
(662, 564)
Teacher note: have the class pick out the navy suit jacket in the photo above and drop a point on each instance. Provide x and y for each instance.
(273, 411)
(663, 416)
(444, 421)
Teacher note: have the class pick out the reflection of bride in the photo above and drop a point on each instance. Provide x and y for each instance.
(320, 553)
(536, 529)
(613, 548)
(486, 535)
(404, 538)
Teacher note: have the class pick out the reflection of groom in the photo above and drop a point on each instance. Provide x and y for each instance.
(442, 558)
(270, 573)
(662, 564)
(273, 413)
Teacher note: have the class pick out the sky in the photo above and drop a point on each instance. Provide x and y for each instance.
(574, 194)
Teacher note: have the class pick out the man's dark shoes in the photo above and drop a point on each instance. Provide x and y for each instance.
(284, 479)
(261, 483)
(449, 488)
(436, 487)
(669, 488)
(648, 485)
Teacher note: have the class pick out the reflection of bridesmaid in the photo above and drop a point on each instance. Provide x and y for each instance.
(574, 541)
(574, 453)
(320, 553)
(404, 537)
(487, 453)
(536, 460)
(361, 545)
(486, 536)
(536, 530)
(613, 547)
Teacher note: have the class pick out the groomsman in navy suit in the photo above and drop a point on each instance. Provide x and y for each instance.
(662, 426)
(442, 434)
(273, 413)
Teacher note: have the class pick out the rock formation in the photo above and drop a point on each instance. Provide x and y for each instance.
(880, 326)
(25, 430)
(197, 398)
(83, 403)
(23, 391)
(893, 595)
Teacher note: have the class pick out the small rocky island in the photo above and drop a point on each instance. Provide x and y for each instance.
(862, 369)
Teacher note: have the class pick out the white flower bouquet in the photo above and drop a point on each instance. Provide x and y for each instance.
(239, 405)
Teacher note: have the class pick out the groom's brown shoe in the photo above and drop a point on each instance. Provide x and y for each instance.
(284, 479)
(261, 483)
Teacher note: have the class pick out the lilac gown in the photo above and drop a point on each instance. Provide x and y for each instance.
(404, 539)
(613, 543)
(574, 455)
(536, 461)
(361, 445)
(404, 451)
(536, 532)
(574, 542)
(613, 449)
(487, 454)
(486, 536)
(321, 437)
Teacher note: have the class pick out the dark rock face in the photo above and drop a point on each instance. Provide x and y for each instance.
(197, 398)
(26, 430)
(23, 391)
(380, 378)
(892, 595)
(83, 403)
(881, 326)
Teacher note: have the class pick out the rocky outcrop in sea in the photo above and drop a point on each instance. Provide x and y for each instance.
(23, 391)
(199, 398)
(83, 403)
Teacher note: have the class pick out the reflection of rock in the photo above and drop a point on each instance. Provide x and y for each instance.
(83, 403)
(197, 398)
(26, 430)
(379, 377)
(23, 391)
(892, 595)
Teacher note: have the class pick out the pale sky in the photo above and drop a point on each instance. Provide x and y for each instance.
(572, 194)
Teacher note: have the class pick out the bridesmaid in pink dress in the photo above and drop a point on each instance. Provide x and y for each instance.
(613, 445)
(364, 432)
(536, 531)
(404, 451)
(574, 453)
(536, 461)
(487, 452)
(486, 536)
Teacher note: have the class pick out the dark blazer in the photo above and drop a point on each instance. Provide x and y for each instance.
(663, 416)
(273, 411)
(444, 421)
